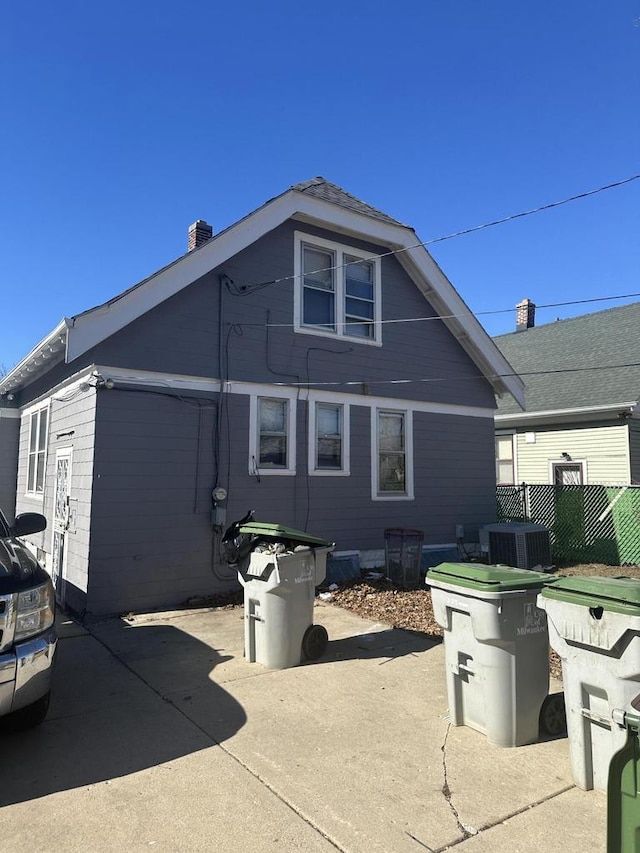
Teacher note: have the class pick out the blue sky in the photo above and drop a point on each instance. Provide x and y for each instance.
(124, 122)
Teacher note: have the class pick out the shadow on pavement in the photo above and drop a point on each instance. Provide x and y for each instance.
(389, 644)
(110, 717)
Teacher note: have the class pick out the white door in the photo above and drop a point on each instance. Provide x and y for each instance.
(61, 517)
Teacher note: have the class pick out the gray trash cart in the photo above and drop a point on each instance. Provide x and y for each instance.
(279, 568)
(496, 651)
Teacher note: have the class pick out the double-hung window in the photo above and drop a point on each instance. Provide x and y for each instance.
(505, 460)
(328, 438)
(38, 430)
(393, 461)
(272, 435)
(337, 290)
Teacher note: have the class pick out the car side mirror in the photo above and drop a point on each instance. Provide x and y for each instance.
(28, 522)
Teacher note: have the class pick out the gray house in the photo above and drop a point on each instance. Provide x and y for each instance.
(581, 422)
(310, 362)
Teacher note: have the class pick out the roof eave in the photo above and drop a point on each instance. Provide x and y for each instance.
(41, 357)
(580, 414)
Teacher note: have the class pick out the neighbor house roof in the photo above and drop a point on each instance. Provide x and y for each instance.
(583, 366)
(317, 201)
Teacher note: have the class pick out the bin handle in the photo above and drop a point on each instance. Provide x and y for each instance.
(462, 669)
(596, 718)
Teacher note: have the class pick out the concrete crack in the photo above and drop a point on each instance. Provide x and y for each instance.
(421, 843)
(467, 832)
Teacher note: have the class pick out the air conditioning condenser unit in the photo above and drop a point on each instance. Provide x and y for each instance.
(521, 544)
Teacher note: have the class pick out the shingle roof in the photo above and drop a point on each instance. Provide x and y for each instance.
(323, 189)
(600, 340)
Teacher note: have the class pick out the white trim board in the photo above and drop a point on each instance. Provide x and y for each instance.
(183, 382)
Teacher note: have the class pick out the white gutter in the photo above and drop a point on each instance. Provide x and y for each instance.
(579, 413)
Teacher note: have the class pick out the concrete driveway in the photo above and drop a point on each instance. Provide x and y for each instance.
(162, 737)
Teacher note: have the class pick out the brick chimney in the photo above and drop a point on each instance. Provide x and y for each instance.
(199, 233)
(525, 315)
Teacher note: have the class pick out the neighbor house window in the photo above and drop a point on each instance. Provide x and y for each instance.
(393, 464)
(505, 464)
(272, 435)
(328, 438)
(568, 473)
(38, 429)
(337, 290)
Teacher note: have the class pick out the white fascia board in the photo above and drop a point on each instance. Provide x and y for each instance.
(41, 352)
(9, 413)
(581, 413)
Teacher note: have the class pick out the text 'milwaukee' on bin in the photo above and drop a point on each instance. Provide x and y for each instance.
(594, 626)
(280, 568)
(496, 651)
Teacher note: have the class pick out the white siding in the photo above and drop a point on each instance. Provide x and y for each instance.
(604, 448)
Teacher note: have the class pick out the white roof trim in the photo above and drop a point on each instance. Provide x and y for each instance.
(581, 413)
(29, 366)
(90, 328)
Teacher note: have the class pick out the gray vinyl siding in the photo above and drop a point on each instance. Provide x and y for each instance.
(71, 424)
(454, 482)
(9, 438)
(151, 542)
(181, 335)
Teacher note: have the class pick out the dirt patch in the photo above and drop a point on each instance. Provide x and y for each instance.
(380, 601)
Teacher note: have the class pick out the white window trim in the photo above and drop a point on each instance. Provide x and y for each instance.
(254, 436)
(514, 439)
(341, 330)
(345, 471)
(408, 422)
(581, 462)
(28, 414)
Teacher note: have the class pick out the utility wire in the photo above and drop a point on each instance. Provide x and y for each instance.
(483, 377)
(247, 288)
(454, 316)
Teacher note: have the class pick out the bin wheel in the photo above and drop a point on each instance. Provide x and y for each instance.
(553, 714)
(315, 642)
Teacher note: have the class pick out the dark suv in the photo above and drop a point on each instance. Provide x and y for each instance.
(27, 633)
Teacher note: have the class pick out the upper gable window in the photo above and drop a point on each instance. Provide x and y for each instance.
(337, 290)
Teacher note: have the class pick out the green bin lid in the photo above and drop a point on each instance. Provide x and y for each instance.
(279, 531)
(619, 594)
(487, 578)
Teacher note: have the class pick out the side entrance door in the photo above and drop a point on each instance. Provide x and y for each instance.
(61, 516)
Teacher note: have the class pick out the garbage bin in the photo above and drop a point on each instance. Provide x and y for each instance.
(623, 787)
(594, 626)
(496, 650)
(403, 552)
(279, 568)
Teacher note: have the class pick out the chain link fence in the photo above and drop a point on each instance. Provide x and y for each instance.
(587, 524)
